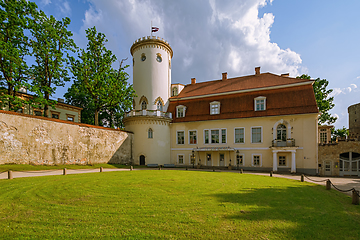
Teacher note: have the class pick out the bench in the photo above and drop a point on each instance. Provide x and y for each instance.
(169, 165)
(153, 165)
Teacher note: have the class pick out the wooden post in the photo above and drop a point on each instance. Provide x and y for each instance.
(355, 197)
(64, 171)
(186, 168)
(213, 169)
(101, 169)
(328, 185)
(131, 168)
(10, 175)
(302, 177)
(241, 171)
(271, 173)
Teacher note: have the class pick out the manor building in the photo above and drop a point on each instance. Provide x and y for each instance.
(257, 122)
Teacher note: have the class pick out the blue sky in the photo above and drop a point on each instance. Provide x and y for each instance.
(208, 37)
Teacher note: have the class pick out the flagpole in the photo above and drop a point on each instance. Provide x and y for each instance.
(151, 29)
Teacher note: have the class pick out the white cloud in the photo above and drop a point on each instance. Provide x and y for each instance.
(346, 90)
(358, 77)
(208, 36)
(45, 2)
(65, 8)
(353, 85)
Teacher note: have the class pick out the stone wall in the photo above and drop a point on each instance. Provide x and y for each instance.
(331, 153)
(26, 139)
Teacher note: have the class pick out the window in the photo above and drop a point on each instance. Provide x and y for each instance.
(143, 105)
(256, 135)
(174, 91)
(192, 137)
(282, 161)
(150, 133)
(70, 118)
(323, 136)
(159, 106)
(239, 160)
(260, 103)
(180, 137)
(143, 57)
(158, 57)
(20, 110)
(38, 113)
(256, 160)
(223, 135)
(239, 135)
(214, 136)
(206, 136)
(180, 159)
(214, 108)
(55, 115)
(180, 111)
(281, 132)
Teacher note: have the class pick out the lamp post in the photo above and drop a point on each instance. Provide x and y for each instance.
(193, 158)
(237, 159)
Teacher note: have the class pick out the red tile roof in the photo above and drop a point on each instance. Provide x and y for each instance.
(281, 100)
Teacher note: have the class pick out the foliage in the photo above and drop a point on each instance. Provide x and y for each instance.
(51, 41)
(173, 205)
(97, 87)
(15, 19)
(324, 102)
(339, 133)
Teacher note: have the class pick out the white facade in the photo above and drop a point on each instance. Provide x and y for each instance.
(152, 83)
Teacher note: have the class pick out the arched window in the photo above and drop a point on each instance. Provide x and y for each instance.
(143, 105)
(281, 132)
(159, 106)
(174, 91)
(150, 133)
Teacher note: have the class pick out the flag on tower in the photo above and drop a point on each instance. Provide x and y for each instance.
(154, 29)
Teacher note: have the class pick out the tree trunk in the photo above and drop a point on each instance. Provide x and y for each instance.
(96, 117)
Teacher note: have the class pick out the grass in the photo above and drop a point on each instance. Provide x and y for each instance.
(27, 167)
(171, 204)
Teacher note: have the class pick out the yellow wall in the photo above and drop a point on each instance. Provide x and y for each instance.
(303, 130)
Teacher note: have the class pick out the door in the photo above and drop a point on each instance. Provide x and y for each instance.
(327, 168)
(208, 159)
(142, 160)
(222, 160)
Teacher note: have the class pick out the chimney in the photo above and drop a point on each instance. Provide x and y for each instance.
(257, 71)
(285, 74)
(193, 80)
(224, 76)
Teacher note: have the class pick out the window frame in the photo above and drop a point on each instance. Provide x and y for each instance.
(54, 113)
(217, 107)
(173, 91)
(159, 106)
(242, 133)
(196, 138)
(260, 98)
(177, 137)
(208, 136)
(183, 159)
(143, 104)
(221, 135)
(243, 159)
(280, 165)
(180, 108)
(150, 133)
(252, 159)
(261, 135)
(70, 116)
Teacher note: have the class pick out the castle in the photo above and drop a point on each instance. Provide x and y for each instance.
(257, 122)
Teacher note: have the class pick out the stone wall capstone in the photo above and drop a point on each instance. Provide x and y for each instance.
(34, 140)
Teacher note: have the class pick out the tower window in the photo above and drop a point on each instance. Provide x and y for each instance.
(143, 105)
(159, 106)
(174, 91)
(158, 57)
(143, 57)
(150, 133)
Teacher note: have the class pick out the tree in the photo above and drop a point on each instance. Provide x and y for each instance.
(104, 89)
(324, 102)
(339, 133)
(15, 19)
(50, 44)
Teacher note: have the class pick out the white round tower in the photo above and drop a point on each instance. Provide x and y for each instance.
(149, 120)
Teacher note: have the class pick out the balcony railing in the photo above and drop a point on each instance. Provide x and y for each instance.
(290, 142)
(154, 113)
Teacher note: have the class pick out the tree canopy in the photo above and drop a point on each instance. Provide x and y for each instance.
(102, 91)
(324, 102)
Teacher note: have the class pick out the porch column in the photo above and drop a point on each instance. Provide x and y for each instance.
(274, 161)
(293, 162)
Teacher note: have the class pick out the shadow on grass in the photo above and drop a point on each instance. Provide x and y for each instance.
(304, 212)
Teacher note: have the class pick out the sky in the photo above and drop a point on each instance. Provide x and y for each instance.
(208, 37)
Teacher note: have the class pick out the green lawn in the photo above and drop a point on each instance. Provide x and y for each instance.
(167, 204)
